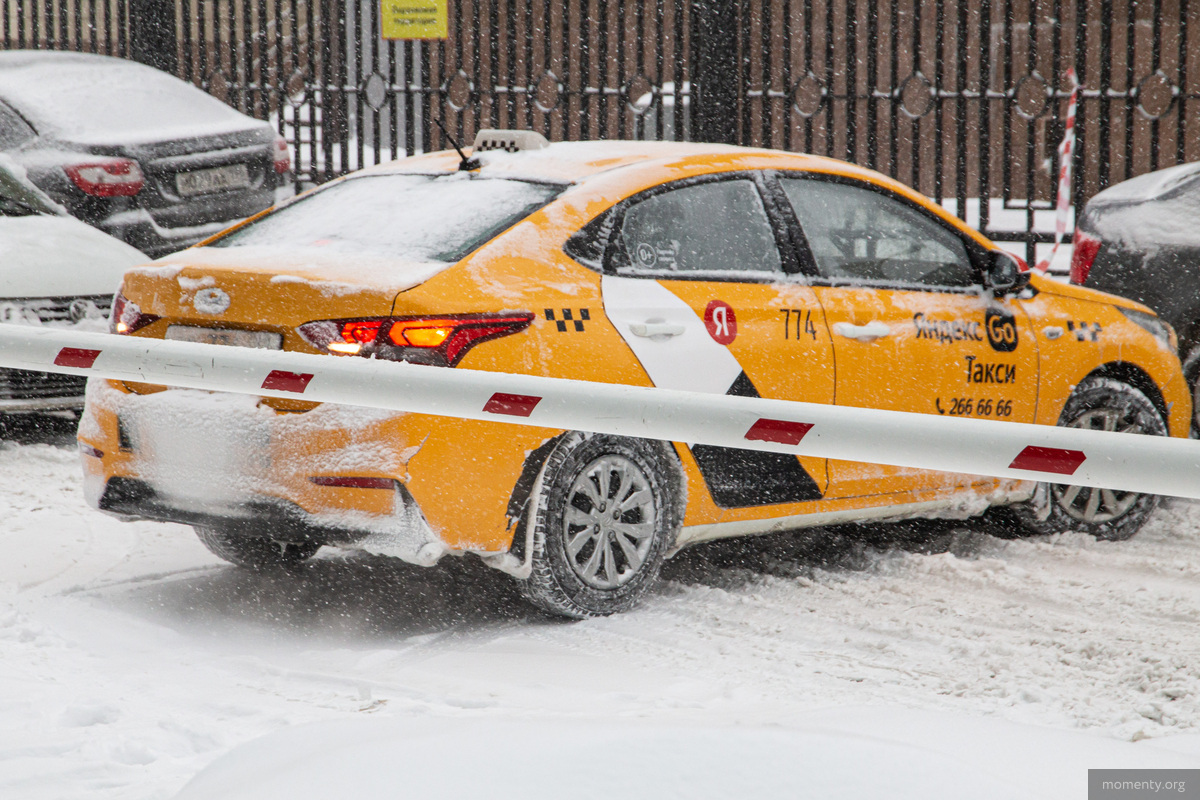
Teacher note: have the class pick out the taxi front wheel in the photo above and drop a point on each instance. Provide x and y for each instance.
(1107, 405)
(1191, 374)
(254, 552)
(607, 513)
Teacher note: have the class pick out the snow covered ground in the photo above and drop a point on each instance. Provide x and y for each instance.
(898, 662)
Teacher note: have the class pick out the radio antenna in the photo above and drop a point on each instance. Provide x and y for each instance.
(465, 164)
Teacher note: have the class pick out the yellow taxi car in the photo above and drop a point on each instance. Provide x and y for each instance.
(688, 266)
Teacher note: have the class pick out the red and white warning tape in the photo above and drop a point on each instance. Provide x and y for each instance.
(1066, 160)
(953, 444)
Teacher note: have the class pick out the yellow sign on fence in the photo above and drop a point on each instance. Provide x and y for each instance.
(414, 19)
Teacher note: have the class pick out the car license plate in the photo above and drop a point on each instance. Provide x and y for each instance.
(263, 340)
(203, 181)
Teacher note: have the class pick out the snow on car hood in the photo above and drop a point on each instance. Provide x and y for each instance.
(1150, 211)
(106, 100)
(1150, 186)
(331, 273)
(1150, 225)
(44, 256)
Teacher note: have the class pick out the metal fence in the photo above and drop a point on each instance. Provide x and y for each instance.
(968, 100)
(964, 101)
(574, 70)
(93, 26)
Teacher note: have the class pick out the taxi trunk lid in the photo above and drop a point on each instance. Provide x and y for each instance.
(241, 293)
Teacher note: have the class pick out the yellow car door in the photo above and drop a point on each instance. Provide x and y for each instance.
(913, 328)
(697, 285)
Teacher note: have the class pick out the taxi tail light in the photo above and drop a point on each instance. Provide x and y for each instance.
(117, 177)
(126, 317)
(440, 341)
(1086, 249)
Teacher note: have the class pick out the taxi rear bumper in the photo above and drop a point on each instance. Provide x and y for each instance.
(334, 476)
(132, 499)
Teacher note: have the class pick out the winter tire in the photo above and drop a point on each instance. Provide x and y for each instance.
(1096, 404)
(607, 512)
(255, 552)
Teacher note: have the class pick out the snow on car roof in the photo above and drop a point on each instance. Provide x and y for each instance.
(577, 162)
(92, 98)
(582, 162)
(570, 162)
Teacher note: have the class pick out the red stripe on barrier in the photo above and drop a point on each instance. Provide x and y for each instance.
(88, 450)
(280, 381)
(76, 357)
(353, 482)
(1048, 459)
(778, 430)
(513, 405)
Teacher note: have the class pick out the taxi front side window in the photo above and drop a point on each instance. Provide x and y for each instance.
(713, 228)
(863, 235)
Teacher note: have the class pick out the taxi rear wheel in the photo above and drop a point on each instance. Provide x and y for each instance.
(1096, 404)
(255, 553)
(606, 515)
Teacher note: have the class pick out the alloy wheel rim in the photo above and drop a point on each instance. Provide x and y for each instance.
(1088, 504)
(609, 522)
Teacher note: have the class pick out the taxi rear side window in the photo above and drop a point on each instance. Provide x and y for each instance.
(412, 217)
(713, 227)
(863, 235)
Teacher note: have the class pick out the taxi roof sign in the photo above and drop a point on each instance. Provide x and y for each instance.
(510, 141)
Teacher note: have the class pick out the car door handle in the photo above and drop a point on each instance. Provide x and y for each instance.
(650, 329)
(863, 333)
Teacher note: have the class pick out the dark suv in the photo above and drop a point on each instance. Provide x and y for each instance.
(1140, 239)
(141, 155)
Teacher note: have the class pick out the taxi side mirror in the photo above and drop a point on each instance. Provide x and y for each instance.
(1006, 273)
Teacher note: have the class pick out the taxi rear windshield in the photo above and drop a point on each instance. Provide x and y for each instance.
(411, 217)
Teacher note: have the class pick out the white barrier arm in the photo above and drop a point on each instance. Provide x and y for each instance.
(1130, 462)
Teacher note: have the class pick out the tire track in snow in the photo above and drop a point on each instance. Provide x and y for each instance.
(142, 658)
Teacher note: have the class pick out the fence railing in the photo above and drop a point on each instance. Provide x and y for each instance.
(962, 100)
